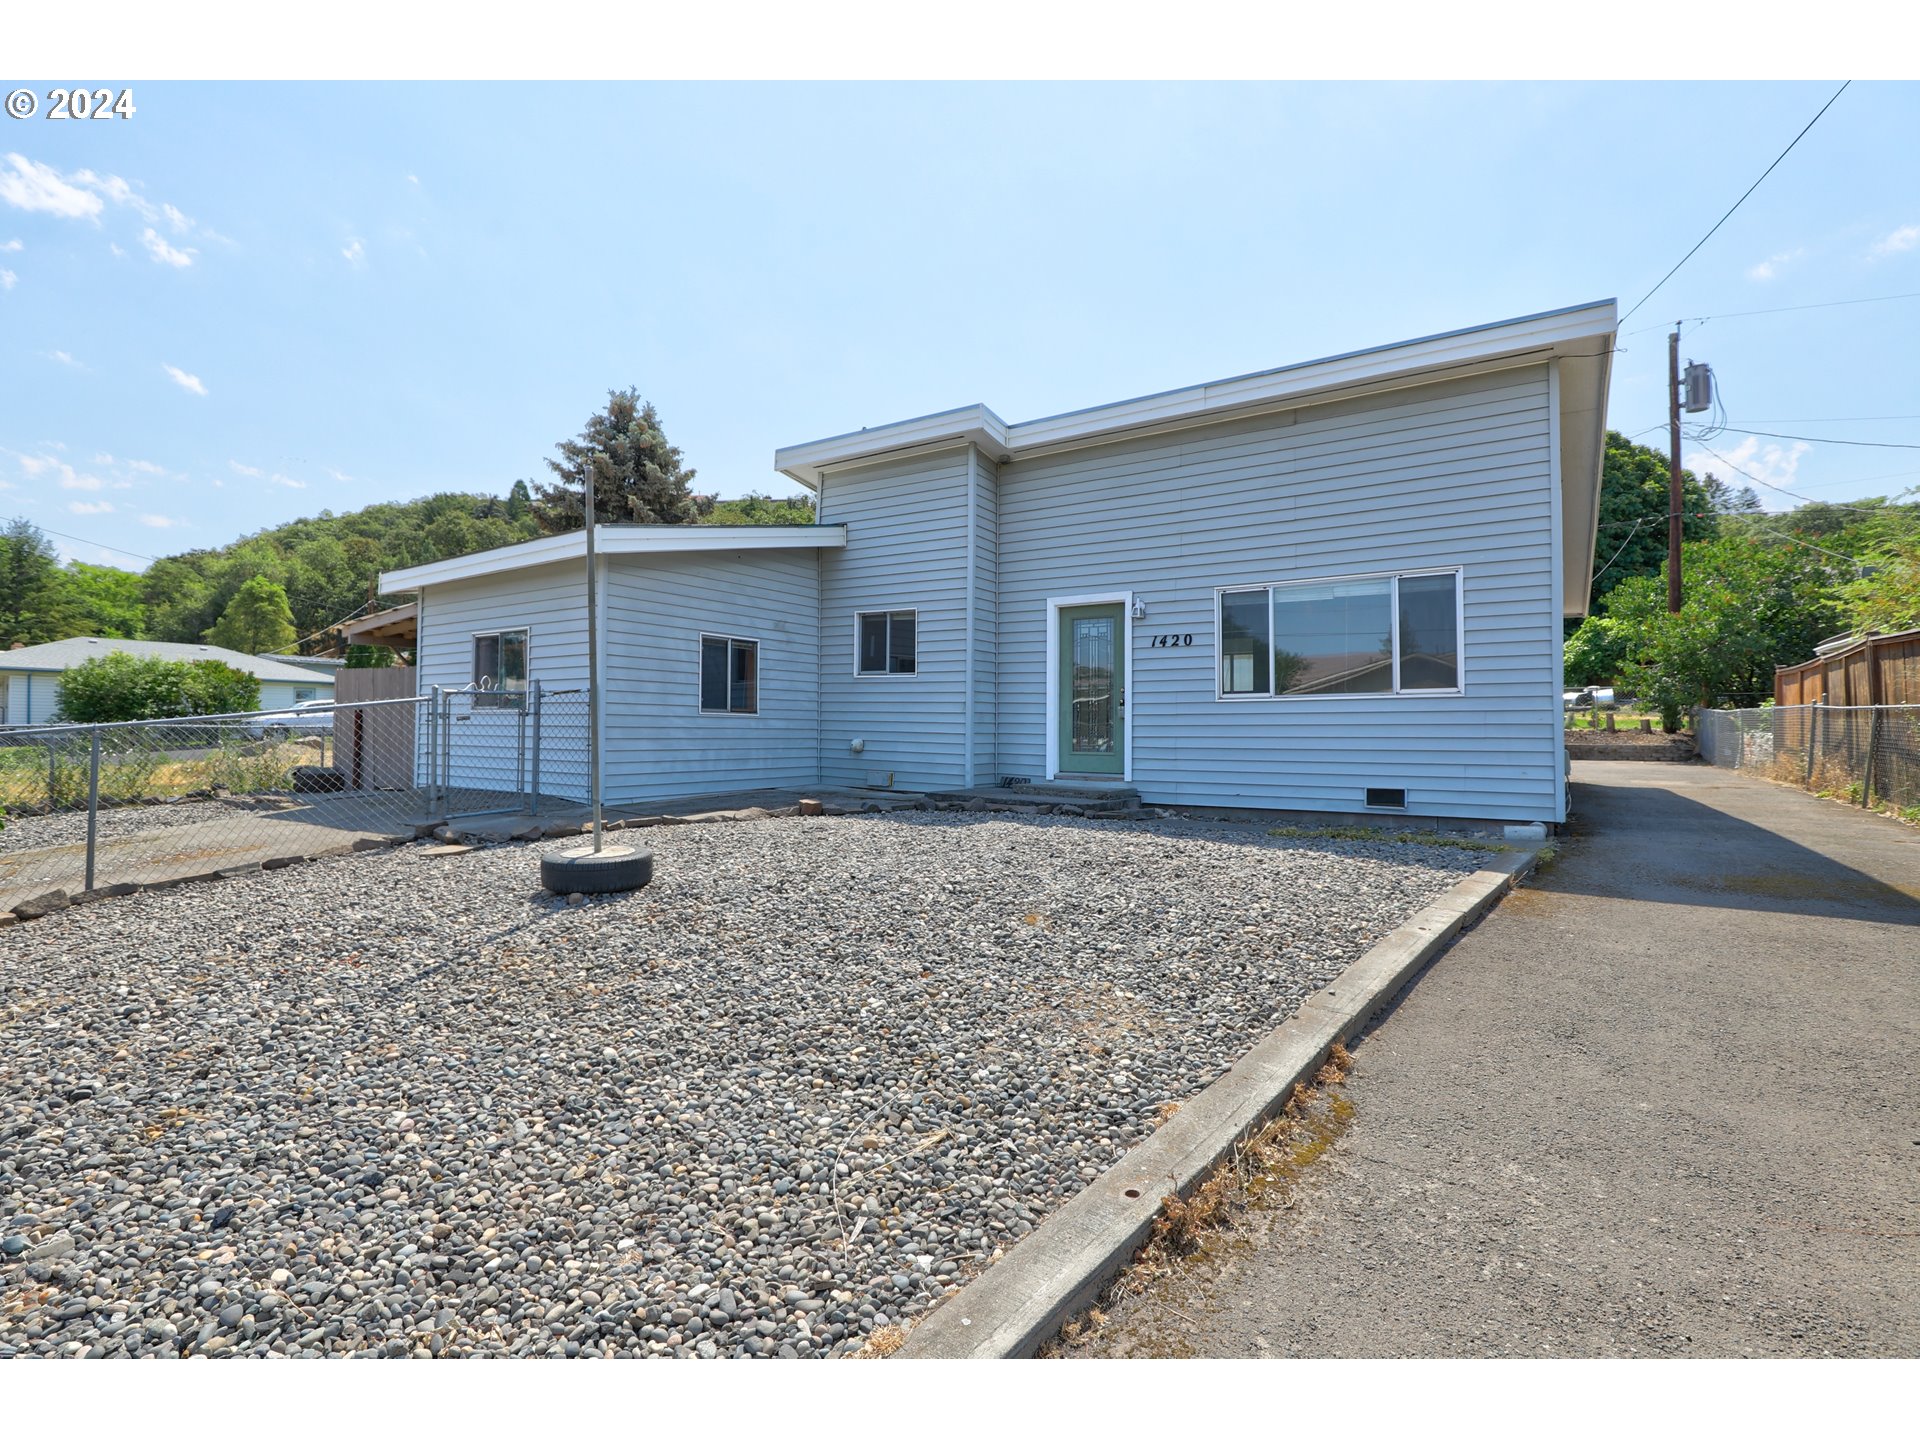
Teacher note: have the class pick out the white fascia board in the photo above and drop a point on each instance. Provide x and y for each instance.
(617, 540)
(970, 424)
(1577, 330)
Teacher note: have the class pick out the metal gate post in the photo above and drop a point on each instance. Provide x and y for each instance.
(520, 751)
(93, 801)
(534, 777)
(53, 776)
(1873, 746)
(1814, 728)
(433, 749)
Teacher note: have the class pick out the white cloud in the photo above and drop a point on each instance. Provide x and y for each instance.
(413, 179)
(28, 185)
(162, 252)
(74, 481)
(355, 252)
(147, 467)
(184, 380)
(116, 250)
(1766, 461)
(1771, 267)
(248, 470)
(90, 507)
(179, 222)
(8, 279)
(12, 247)
(63, 358)
(159, 522)
(1901, 240)
(288, 481)
(340, 476)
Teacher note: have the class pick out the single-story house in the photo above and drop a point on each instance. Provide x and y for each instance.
(1337, 586)
(30, 676)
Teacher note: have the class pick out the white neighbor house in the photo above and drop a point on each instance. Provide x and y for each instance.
(1336, 586)
(30, 676)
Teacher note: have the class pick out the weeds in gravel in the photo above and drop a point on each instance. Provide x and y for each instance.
(1309, 1122)
(882, 1343)
(1387, 837)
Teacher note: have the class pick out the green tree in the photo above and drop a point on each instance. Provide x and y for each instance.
(756, 509)
(1886, 597)
(257, 621)
(1750, 605)
(1595, 652)
(519, 501)
(1632, 536)
(118, 686)
(103, 600)
(638, 476)
(34, 604)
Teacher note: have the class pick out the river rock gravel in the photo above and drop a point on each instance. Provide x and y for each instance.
(818, 1073)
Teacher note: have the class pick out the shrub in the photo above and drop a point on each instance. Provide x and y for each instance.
(119, 686)
(368, 657)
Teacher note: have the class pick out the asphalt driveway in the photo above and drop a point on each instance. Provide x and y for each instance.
(1664, 1101)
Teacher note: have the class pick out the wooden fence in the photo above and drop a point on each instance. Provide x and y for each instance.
(1878, 670)
(374, 746)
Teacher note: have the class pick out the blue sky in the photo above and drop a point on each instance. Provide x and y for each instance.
(252, 302)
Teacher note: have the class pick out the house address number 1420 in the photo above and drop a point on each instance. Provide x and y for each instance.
(1170, 642)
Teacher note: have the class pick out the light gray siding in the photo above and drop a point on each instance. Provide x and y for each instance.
(550, 603)
(985, 484)
(1445, 475)
(657, 742)
(906, 549)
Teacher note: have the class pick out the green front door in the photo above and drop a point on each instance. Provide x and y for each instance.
(1093, 690)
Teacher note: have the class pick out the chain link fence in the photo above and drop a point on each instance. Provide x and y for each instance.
(1868, 754)
(92, 807)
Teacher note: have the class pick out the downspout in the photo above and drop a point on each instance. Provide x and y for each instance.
(820, 635)
(973, 486)
(1556, 506)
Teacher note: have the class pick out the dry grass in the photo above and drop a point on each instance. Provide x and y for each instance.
(1275, 1154)
(882, 1343)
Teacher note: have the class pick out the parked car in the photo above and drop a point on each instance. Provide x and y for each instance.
(1577, 700)
(311, 717)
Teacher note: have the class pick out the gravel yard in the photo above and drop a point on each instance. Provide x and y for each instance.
(31, 832)
(815, 1075)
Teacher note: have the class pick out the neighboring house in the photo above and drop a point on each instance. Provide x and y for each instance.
(30, 676)
(1337, 587)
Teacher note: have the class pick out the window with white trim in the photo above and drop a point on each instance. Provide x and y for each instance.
(1366, 635)
(500, 666)
(729, 676)
(886, 641)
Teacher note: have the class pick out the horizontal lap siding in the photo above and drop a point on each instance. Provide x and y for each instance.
(985, 630)
(1455, 474)
(550, 603)
(906, 549)
(657, 743)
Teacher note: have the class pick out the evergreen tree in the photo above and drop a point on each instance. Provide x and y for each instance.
(257, 621)
(34, 605)
(519, 501)
(638, 477)
(1632, 538)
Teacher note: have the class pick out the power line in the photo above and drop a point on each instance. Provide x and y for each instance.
(1833, 419)
(82, 540)
(1741, 201)
(1804, 499)
(1784, 309)
(1824, 439)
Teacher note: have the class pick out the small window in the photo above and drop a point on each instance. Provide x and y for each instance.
(304, 692)
(729, 676)
(500, 667)
(887, 641)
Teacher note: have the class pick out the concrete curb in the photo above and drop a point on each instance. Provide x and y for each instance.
(1023, 1299)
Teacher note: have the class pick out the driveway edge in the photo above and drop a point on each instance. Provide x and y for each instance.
(1022, 1300)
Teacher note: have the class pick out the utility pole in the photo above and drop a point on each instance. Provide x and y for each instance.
(1674, 487)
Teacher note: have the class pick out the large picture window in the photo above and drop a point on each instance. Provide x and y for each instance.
(500, 666)
(729, 676)
(885, 642)
(1368, 635)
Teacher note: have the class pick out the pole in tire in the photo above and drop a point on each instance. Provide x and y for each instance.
(602, 869)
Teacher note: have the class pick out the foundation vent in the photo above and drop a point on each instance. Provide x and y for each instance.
(1386, 799)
